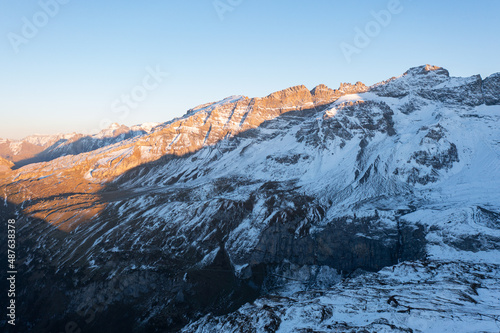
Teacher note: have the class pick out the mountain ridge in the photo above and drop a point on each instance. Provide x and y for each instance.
(208, 124)
(264, 201)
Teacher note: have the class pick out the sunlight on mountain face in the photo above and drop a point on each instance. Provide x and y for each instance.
(56, 181)
(353, 209)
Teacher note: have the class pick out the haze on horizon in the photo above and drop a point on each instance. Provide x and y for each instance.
(71, 66)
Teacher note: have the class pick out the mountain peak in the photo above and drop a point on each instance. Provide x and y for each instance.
(114, 126)
(288, 92)
(401, 183)
(349, 88)
(320, 87)
(209, 107)
(324, 95)
(426, 69)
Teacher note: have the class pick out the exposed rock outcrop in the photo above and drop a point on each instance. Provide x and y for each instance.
(5, 165)
(491, 89)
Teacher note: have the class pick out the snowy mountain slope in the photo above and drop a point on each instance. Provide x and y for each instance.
(218, 208)
(386, 163)
(409, 297)
(90, 171)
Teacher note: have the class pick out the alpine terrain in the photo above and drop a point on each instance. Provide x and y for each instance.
(360, 209)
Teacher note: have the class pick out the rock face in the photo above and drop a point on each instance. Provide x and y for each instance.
(322, 93)
(362, 192)
(5, 165)
(422, 303)
(491, 87)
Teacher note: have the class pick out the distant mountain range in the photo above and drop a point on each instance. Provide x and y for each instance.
(356, 209)
(40, 148)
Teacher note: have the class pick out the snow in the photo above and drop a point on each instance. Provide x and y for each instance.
(45, 140)
(423, 297)
(321, 156)
(357, 97)
(16, 147)
(148, 127)
(209, 107)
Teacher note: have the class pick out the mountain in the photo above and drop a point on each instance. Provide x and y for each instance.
(357, 209)
(40, 148)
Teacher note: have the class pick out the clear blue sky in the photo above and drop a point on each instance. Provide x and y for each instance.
(67, 76)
